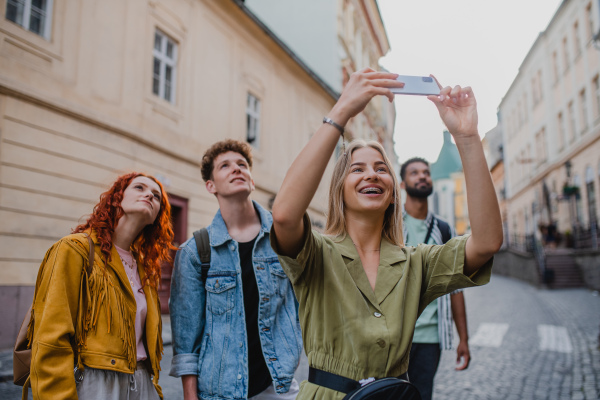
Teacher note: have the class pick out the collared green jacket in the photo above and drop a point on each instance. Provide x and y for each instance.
(86, 321)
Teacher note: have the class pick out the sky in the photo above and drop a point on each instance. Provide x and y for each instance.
(462, 42)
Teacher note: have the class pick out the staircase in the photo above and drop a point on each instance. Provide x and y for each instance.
(566, 273)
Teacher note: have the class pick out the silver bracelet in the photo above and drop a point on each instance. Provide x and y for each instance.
(339, 128)
(334, 124)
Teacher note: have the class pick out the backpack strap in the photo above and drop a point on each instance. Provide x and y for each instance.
(203, 245)
(429, 231)
(444, 229)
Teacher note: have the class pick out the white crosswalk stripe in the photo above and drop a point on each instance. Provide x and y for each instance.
(550, 337)
(554, 338)
(489, 335)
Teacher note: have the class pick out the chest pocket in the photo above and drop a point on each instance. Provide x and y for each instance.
(220, 291)
(281, 283)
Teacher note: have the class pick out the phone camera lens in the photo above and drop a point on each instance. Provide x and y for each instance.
(427, 79)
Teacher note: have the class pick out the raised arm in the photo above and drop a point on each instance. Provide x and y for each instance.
(303, 177)
(458, 110)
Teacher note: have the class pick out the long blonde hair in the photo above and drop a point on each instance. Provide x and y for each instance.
(336, 218)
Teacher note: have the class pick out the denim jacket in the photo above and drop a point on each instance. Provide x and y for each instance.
(208, 321)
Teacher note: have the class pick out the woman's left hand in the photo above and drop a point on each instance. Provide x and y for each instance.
(458, 109)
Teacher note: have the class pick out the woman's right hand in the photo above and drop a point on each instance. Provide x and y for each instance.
(360, 89)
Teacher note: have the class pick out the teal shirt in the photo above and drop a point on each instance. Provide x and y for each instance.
(426, 328)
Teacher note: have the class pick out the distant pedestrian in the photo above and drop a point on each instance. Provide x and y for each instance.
(106, 324)
(433, 330)
(236, 334)
(360, 290)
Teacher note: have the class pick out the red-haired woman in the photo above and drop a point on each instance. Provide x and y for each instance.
(106, 324)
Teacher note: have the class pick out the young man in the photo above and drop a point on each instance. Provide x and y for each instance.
(237, 335)
(433, 330)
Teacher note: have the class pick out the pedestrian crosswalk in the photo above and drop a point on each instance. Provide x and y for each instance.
(489, 335)
(550, 337)
(554, 338)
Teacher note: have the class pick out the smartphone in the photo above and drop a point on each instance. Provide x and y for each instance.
(417, 85)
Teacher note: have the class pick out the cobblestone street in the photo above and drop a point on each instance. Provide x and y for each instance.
(525, 344)
(529, 362)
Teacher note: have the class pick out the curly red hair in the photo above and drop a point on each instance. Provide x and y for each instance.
(152, 246)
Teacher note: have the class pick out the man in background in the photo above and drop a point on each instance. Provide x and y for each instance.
(433, 330)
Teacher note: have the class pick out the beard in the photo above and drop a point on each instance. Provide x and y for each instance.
(421, 193)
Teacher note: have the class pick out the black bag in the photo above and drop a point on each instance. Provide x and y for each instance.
(385, 389)
(378, 389)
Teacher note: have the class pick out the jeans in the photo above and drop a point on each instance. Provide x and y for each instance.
(424, 361)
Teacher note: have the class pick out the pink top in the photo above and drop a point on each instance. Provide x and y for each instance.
(130, 266)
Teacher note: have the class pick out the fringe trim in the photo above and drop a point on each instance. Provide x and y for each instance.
(94, 293)
(158, 356)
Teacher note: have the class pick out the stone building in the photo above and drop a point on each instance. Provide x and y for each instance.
(550, 120)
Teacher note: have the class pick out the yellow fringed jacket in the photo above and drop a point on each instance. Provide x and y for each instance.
(95, 316)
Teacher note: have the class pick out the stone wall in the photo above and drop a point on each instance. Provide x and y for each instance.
(15, 301)
(588, 262)
(515, 264)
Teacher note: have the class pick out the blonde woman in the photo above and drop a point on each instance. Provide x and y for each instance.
(360, 290)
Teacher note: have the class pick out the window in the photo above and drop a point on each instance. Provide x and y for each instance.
(584, 111)
(33, 15)
(561, 131)
(566, 53)
(534, 94)
(165, 57)
(591, 195)
(540, 143)
(572, 124)
(555, 69)
(596, 83)
(252, 120)
(576, 38)
(590, 21)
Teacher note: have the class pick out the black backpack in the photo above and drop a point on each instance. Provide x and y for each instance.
(444, 229)
(203, 245)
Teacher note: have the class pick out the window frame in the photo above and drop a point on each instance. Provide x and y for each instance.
(46, 32)
(165, 60)
(596, 88)
(253, 110)
(583, 107)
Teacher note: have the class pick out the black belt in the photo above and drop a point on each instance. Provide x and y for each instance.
(336, 382)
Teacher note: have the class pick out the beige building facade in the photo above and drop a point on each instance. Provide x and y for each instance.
(101, 88)
(550, 119)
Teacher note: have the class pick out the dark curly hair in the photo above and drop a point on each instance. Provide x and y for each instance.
(152, 246)
(408, 162)
(221, 147)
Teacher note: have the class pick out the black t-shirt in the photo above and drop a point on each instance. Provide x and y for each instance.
(259, 375)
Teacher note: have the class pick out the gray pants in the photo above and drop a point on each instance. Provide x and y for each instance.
(101, 384)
